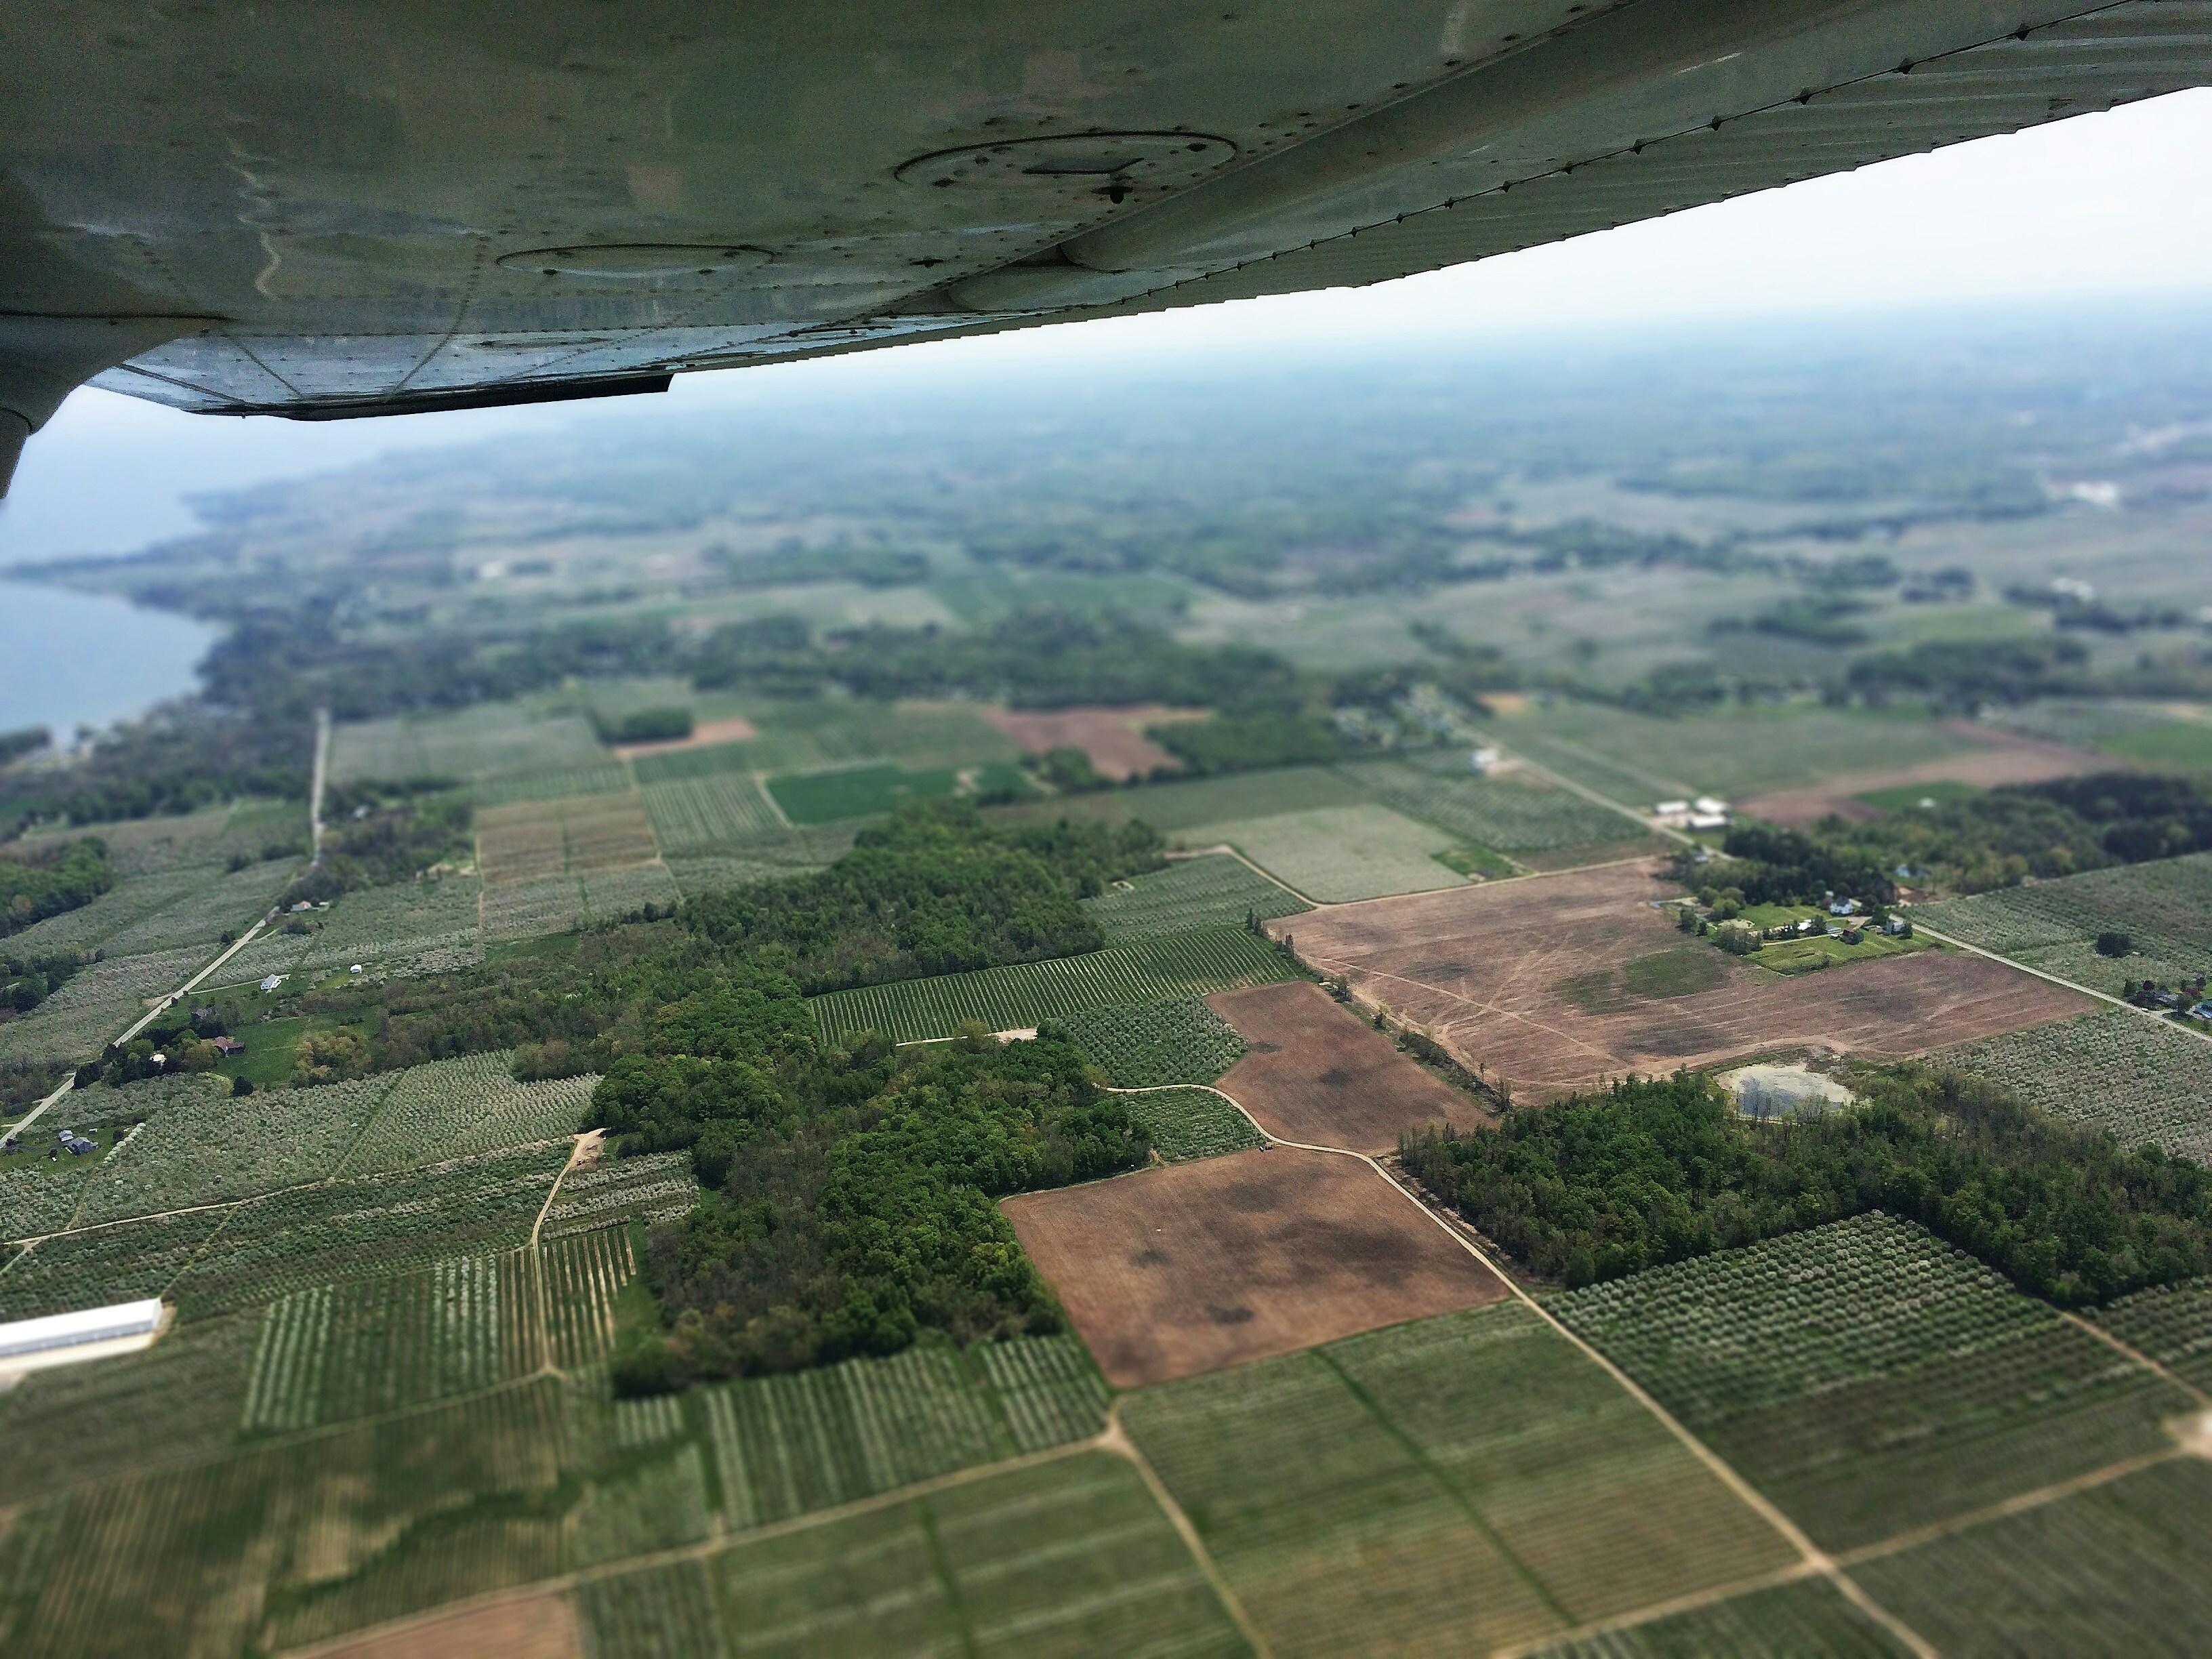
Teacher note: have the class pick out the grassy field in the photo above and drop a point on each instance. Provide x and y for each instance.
(1470, 1474)
(1537, 824)
(1190, 1123)
(2145, 1082)
(864, 792)
(1143, 1045)
(1810, 1619)
(1028, 994)
(2164, 907)
(1201, 893)
(1869, 1378)
(1336, 855)
(2121, 1570)
(2185, 745)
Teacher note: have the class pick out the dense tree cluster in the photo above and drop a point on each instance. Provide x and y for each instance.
(35, 885)
(181, 756)
(389, 842)
(1656, 1170)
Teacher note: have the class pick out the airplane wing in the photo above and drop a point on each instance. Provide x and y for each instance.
(371, 207)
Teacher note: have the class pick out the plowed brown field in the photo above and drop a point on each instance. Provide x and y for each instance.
(1113, 738)
(1171, 1272)
(531, 1627)
(1316, 1072)
(1523, 978)
(2004, 758)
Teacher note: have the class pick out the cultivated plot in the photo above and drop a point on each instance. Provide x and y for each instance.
(1448, 1487)
(1114, 738)
(452, 1107)
(657, 1187)
(2000, 757)
(1337, 854)
(1214, 891)
(538, 839)
(1192, 1123)
(1314, 1072)
(1169, 1273)
(1556, 983)
(689, 813)
(2147, 1083)
(1147, 1044)
(1538, 823)
(1871, 1379)
(470, 743)
(1808, 1619)
(2172, 1323)
(2164, 908)
(1028, 994)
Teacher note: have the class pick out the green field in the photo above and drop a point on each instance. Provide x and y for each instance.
(1905, 797)
(1869, 1378)
(2124, 1569)
(864, 792)
(490, 740)
(709, 811)
(1819, 951)
(2184, 745)
(603, 777)
(2173, 1324)
(1186, 1123)
(2164, 907)
(1538, 823)
(2145, 1082)
(1028, 994)
(1337, 854)
(1142, 1045)
(1810, 1620)
(1505, 1487)
(1201, 893)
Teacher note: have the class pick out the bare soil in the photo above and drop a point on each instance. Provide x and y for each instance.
(2003, 757)
(1315, 1072)
(534, 1628)
(1171, 1272)
(1548, 982)
(705, 735)
(1113, 738)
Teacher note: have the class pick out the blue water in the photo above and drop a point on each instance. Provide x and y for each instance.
(70, 660)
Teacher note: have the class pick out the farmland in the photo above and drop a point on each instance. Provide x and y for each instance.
(128, 1260)
(1808, 1619)
(1200, 892)
(1317, 1073)
(1030, 993)
(1536, 822)
(861, 792)
(2147, 1083)
(525, 909)
(1170, 1272)
(1070, 1557)
(1871, 1379)
(2173, 1324)
(1525, 980)
(1186, 1123)
(484, 742)
(693, 812)
(539, 839)
(409, 927)
(2164, 908)
(653, 1187)
(1143, 1045)
(453, 1108)
(1337, 854)
(2124, 1568)
(1493, 1484)
(584, 1273)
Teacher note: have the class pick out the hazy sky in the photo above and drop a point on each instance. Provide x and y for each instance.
(2099, 205)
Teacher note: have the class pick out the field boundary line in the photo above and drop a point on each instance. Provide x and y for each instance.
(1116, 1440)
(1794, 1573)
(1813, 1558)
(2101, 996)
(2019, 1505)
(702, 1550)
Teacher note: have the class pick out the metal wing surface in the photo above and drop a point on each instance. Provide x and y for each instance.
(350, 207)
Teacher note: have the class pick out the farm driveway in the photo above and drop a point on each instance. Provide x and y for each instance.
(1524, 978)
(1171, 1272)
(1318, 1073)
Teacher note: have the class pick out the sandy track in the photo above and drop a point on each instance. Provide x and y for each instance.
(1513, 977)
(2004, 758)
(1318, 1073)
(1171, 1272)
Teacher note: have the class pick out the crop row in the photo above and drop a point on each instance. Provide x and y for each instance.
(2164, 907)
(1856, 1299)
(453, 1108)
(107, 1264)
(1216, 892)
(584, 1273)
(707, 811)
(403, 919)
(550, 904)
(1048, 1387)
(1142, 1045)
(657, 1614)
(221, 903)
(553, 783)
(1187, 1124)
(2145, 1082)
(475, 742)
(359, 1227)
(1508, 814)
(131, 900)
(654, 1188)
(2172, 1324)
(1031, 992)
(36, 1200)
(613, 895)
(207, 1147)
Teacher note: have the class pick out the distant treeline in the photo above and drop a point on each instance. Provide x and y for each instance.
(1659, 1170)
(183, 756)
